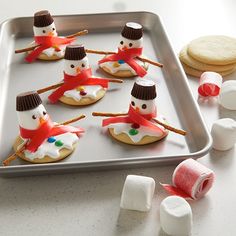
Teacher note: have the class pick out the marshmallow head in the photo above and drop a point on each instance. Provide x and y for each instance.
(131, 36)
(32, 119)
(227, 96)
(143, 96)
(75, 60)
(30, 111)
(49, 30)
(44, 24)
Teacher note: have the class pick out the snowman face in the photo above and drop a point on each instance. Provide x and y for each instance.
(143, 106)
(129, 43)
(74, 67)
(32, 119)
(49, 30)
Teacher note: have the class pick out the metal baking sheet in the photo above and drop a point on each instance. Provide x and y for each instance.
(96, 149)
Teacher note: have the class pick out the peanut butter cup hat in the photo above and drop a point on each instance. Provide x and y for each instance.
(132, 30)
(144, 89)
(27, 101)
(42, 19)
(75, 52)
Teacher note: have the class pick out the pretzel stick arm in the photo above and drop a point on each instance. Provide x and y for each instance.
(107, 114)
(178, 131)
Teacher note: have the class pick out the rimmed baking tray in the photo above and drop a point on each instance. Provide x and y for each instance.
(96, 150)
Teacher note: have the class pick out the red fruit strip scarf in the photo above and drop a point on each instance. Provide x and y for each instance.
(71, 82)
(46, 42)
(46, 130)
(128, 56)
(134, 117)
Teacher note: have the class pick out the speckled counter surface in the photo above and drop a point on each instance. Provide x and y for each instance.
(88, 203)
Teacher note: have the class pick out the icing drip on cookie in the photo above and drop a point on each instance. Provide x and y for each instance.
(52, 146)
(88, 92)
(136, 133)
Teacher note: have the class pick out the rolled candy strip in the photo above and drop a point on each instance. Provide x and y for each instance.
(210, 84)
(191, 180)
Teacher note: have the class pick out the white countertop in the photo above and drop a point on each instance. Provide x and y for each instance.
(88, 203)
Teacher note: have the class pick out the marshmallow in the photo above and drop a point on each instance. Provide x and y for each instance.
(227, 96)
(137, 193)
(223, 133)
(176, 216)
(210, 84)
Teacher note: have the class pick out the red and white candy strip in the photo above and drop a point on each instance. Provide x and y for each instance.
(210, 84)
(191, 180)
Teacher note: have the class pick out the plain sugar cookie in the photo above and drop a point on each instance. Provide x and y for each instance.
(214, 49)
(197, 73)
(190, 61)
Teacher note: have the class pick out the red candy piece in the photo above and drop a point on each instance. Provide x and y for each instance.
(135, 126)
(83, 93)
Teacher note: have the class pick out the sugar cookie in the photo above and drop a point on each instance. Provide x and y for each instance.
(124, 63)
(214, 49)
(43, 140)
(197, 73)
(79, 87)
(195, 64)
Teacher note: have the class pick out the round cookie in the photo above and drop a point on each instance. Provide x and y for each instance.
(63, 153)
(50, 56)
(197, 73)
(214, 49)
(147, 139)
(83, 101)
(191, 62)
(122, 71)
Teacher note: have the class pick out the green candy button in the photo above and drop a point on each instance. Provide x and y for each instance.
(133, 131)
(58, 143)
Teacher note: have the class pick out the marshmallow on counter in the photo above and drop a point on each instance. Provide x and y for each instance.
(227, 97)
(137, 193)
(210, 84)
(176, 216)
(223, 133)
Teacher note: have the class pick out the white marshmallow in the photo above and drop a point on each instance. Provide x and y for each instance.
(223, 132)
(176, 216)
(227, 96)
(137, 193)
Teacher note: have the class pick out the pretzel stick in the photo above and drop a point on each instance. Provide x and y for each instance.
(72, 120)
(178, 131)
(139, 58)
(106, 114)
(14, 155)
(54, 86)
(83, 32)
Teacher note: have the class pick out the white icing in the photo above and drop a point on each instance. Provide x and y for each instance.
(121, 67)
(50, 149)
(49, 30)
(25, 118)
(78, 66)
(52, 52)
(120, 128)
(91, 90)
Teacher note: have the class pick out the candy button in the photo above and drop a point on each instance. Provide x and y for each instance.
(121, 61)
(133, 132)
(83, 93)
(51, 139)
(135, 126)
(58, 143)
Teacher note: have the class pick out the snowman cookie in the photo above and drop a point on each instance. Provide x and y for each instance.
(125, 63)
(51, 46)
(138, 127)
(40, 139)
(80, 87)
